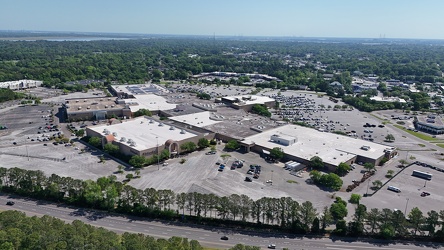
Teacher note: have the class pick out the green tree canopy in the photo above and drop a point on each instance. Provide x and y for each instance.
(316, 162)
(260, 110)
(232, 145)
(277, 153)
(137, 161)
(142, 112)
(95, 141)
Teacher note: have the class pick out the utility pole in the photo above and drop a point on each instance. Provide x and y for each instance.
(405, 210)
(158, 164)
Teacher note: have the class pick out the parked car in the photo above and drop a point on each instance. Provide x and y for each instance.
(224, 238)
(272, 246)
(248, 179)
(10, 203)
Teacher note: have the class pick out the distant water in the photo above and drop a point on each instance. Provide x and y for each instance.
(84, 39)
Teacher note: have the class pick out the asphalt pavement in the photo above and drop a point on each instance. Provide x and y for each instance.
(207, 236)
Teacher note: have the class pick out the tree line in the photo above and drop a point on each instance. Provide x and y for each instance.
(17, 231)
(284, 214)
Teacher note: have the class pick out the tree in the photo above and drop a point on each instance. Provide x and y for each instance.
(80, 133)
(355, 198)
(377, 184)
(315, 176)
(342, 169)
(95, 141)
(260, 110)
(188, 146)
(431, 222)
(332, 181)
(316, 162)
(142, 112)
(369, 166)
(338, 211)
(389, 173)
(203, 143)
(232, 145)
(307, 215)
(277, 153)
(137, 161)
(326, 218)
(111, 149)
(372, 218)
(389, 138)
(416, 219)
(120, 169)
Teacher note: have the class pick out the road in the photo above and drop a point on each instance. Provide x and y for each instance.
(209, 237)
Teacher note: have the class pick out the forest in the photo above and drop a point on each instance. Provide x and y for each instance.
(138, 60)
(275, 214)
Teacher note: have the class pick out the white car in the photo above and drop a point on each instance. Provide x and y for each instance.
(272, 246)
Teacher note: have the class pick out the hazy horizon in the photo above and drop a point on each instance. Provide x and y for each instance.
(396, 19)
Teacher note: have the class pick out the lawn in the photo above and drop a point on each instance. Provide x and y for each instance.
(417, 134)
(440, 145)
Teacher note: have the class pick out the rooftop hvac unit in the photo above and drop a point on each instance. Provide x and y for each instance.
(182, 131)
(130, 141)
(88, 107)
(115, 134)
(79, 108)
(151, 121)
(160, 124)
(123, 139)
(132, 144)
(84, 100)
(172, 128)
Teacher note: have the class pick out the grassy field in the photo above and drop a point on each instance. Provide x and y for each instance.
(417, 134)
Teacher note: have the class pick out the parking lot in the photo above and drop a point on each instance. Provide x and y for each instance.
(200, 172)
(411, 188)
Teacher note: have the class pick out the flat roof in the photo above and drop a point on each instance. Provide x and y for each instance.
(249, 99)
(438, 124)
(139, 89)
(200, 119)
(332, 148)
(97, 103)
(145, 132)
(150, 102)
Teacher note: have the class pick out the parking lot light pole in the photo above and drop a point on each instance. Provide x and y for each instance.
(368, 183)
(157, 140)
(406, 204)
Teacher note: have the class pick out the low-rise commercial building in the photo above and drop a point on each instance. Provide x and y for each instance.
(95, 108)
(20, 84)
(145, 136)
(301, 144)
(246, 102)
(431, 124)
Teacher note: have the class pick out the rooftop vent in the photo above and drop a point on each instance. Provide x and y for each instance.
(123, 139)
(182, 131)
(115, 134)
(151, 121)
(160, 124)
(172, 128)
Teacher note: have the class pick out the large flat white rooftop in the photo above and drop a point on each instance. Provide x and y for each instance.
(150, 102)
(249, 99)
(145, 132)
(200, 119)
(331, 148)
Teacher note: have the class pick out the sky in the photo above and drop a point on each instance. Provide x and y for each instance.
(295, 18)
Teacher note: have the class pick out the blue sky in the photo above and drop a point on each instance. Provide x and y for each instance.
(308, 18)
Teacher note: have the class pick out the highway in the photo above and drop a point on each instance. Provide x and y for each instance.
(209, 237)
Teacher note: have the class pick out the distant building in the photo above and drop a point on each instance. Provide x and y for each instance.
(387, 99)
(246, 102)
(430, 124)
(20, 84)
(336, 85)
